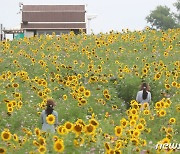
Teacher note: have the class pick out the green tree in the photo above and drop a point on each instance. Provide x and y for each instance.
(161, 18)
(177, 15)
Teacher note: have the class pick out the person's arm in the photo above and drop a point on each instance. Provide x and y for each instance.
(149, 97)
(56, 119)
(137, 97)
(42, 117)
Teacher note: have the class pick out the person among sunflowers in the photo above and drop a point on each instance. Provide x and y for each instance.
(49, 117)
(144, 95)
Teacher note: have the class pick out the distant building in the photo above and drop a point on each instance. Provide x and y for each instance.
(45, 19)
(15, 32)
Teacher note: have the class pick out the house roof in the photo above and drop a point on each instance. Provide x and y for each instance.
(53, 8)
(53, 16)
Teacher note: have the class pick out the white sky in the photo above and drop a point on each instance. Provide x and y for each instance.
(111, 14)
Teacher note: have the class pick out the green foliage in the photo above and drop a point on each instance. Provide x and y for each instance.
(177, 15)
(161, 18)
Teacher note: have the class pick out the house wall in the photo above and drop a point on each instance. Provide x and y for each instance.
(29, 33)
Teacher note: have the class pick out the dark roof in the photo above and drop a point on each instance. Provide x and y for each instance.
(53, 16)
(54, 8)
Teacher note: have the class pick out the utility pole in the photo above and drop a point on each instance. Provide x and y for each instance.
(89, 18)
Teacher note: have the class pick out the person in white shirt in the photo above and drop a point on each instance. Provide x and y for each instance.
(49, 110)
(144, 95)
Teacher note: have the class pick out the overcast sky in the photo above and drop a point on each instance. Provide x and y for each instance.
(111, 14)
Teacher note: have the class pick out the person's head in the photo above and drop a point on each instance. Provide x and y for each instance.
(145, 88)
(50, 106)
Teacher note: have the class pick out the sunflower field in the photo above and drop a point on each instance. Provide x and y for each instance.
(94, 80)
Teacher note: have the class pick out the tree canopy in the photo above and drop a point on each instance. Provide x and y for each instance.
(177, 15)
(162, 18)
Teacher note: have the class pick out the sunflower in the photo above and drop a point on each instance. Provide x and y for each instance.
(135, 106)
(50, 119)
(42, 149)
(107, 146)
(107, 96)
(37, 131)
(19, 104)
(15, 137)
(132, 122)
(133, 112)
(118, 130)
(174, 84)
(166, 54)
(144, 71)
(15, 85)
(136, 133)
(77, 128)
(158, 105)
(162, 113)
(89, 129)
(168, 101)
(178, 108)
(169, 136)
(135, 117)
(106, 91)
(81, 122)
(41, 140)
(2, 150)
(169, 130)
(172, 121)
(134, 141)
(14, 103)
(90, 110)
(9, 104)
(68, 126)
(6, 135)
(140, 127)
(59, 145)
(145, 105)
(107, 114)
(118, 144)
(79, 104)
(93, 79)
(143, 143)
(170, 47)
(167, 86)
(114, 107)
(70, 78)
(83, 101)
(17, 95)
(146, 112)
(165, 140)
(124, 122)
(94, 122)
(157, 76)
(64, 97)
(40, 93)
(10, 109)
(81, 89)
(61, 130)
(121, 76)
(79, 76)
(87, 93)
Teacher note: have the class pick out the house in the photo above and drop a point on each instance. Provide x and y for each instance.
(46, 19)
